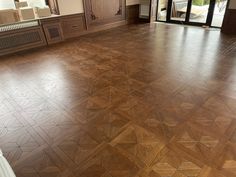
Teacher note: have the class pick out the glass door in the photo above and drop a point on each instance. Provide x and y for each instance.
(162, 7)
(179, 10)
(219, 13)
(193, 12)
(199, 11)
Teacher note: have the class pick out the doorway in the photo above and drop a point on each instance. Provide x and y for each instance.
(192, 12)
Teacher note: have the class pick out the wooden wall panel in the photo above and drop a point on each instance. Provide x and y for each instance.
(229, 24)
(132, 14)
(21, 39)
(101, 12)
(52, 30)
(73, 26)
(69, 26)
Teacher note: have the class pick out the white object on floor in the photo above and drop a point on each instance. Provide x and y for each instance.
(5, 168)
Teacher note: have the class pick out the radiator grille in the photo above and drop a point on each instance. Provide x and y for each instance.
(54, 32)
(20, 25)
(19, 40)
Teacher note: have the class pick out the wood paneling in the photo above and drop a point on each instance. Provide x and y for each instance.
(229, 24)
(73, 26)
(53, 30)
(59, 28)
(53, 33)
(69, 26)
(132, 13)
(101, 12)
(22, 39)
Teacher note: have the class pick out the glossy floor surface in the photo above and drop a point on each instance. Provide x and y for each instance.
(135, 101)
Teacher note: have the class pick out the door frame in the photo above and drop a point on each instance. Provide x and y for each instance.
(187, 18)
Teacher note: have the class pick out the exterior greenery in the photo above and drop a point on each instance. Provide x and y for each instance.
(201, 2)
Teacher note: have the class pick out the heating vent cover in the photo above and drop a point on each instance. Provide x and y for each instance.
(54, 33)
(23, 39)
(19, 40)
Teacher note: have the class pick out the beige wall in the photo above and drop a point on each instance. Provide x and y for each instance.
(144, 2)
(132, 2)
(67, 7)
(232, 4)
(76, 6)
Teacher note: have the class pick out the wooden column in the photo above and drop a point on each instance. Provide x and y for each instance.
(229, 24)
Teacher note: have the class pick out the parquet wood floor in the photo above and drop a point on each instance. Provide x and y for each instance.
(135, 101)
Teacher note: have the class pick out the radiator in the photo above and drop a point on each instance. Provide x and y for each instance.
(21, 40)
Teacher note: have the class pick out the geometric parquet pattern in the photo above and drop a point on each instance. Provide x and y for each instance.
(148, 100)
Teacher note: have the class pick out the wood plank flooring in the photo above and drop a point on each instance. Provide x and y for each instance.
(135, 101)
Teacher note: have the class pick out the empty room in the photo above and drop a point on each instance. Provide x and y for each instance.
(117, 88)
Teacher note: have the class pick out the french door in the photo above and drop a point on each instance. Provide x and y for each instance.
(186, 12)
(192, 12)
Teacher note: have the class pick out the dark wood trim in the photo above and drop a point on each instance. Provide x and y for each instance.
(229, 23)
(210, 12)
(228, 4)
(132, 13)
(189, 7)
(169, 5)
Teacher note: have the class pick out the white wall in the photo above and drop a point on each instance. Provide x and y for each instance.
(35, 3)
(7, 4)
(67, 7)
(232, 4)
